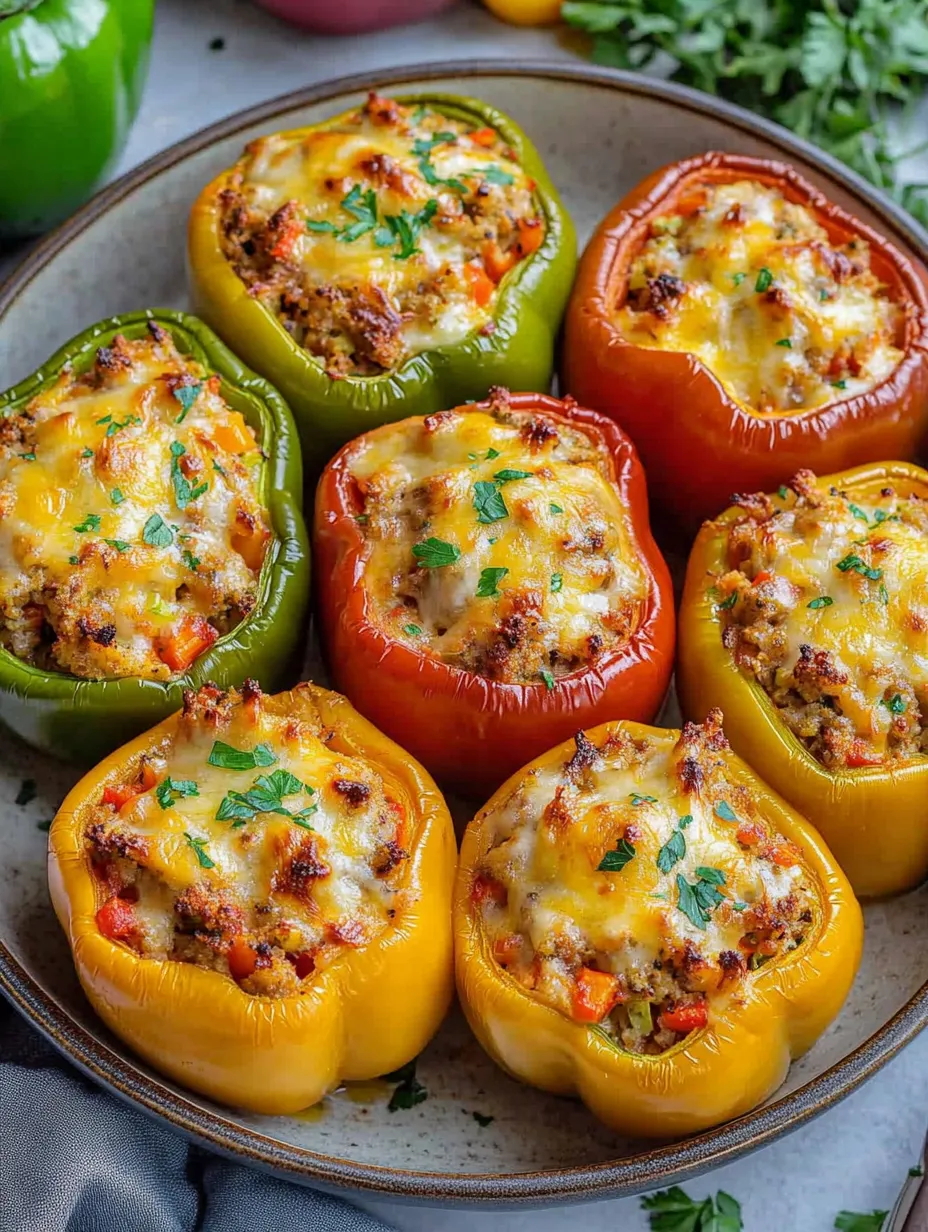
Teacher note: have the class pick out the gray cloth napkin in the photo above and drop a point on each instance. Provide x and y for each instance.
(74, 1159)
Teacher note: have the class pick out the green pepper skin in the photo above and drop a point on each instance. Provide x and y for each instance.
(83, 720)
(518, 354)
(71, 78)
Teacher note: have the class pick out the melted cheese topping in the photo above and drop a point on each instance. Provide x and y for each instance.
(497, 542)
(751, 284)
(701, 892)
(131, 530)
(279, 865)
(828, 607)
(382, 234)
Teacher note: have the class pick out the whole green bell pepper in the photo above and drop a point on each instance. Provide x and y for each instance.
(82, 720)
(518, 354)
(71, 77)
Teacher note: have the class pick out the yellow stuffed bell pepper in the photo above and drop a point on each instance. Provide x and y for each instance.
(257, 893)
(803, 617)
(641, 922)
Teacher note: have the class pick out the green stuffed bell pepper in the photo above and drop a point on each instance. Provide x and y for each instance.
(152, 537)
(71, 78)
(396, 260)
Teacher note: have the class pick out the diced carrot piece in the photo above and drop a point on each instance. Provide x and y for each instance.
(251, 544)
(785, 855)
(496, 262)
(242, 959)
(116, 919)
(692, 202)
(595, 993)
(180, 649)
(764, 576)
(486, 888)
(234, 436)
(289, 235)
(507, 949)
(531, 234)
(482, 286)
(484, 136)
(749, 834)
(685, 1018)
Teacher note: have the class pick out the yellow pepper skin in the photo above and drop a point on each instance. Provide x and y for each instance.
(369, 1012)
(526, 12)
(874, 819)
(713, 1074)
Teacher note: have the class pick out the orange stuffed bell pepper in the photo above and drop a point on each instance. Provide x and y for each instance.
(803, 615)
(490, 582)
(641, 922)
(739, 325)
(257, 895)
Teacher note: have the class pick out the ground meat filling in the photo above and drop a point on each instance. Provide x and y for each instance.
(304, 855)
(752, 284)
(132, 529)
(381, 235)
(826, 605)
(599, 895)
(497, 542)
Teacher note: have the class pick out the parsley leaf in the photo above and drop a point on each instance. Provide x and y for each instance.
(724, 810)
(198, 845)
(116, 496)
(557, 583)
(488, 502)
(507, 476)
(764, 279)
(548, 678)
(363, 207)
(614, 861)
(673, 1210)
(266, 795)
(228, 758)
(674, 849)
(410, 1090)
(435, 553)
(697, 899)
(853, 562)
(404, 228)
(184, 492)
(494, 175)
(821, 601)
(555, 508)
(86, 453)
(784, 342)
(637, 800)
(192, 562)
(854, 1221)
(156, 533)
(91, 522)
(186, 395)
(169, 791)
(412, 630)
(895, 705)
(489, 582)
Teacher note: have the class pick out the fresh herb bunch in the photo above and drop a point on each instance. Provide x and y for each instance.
(831, 71)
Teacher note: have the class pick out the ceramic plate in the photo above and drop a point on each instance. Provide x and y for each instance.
(600, 132)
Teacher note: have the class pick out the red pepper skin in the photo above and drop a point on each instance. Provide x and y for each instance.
(471, 732)
(697, 442)
(685, 1018)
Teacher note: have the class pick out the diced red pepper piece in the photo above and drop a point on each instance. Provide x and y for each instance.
(595, 993)
(116, 919)
(685, 1018)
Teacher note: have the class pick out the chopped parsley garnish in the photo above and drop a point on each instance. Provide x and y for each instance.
(858, 512)
(86, 453)
(156, 532)
(27, 457)
(228, 758)
(883, 594)
(637, 800)
(90, 522)
(697, 899)
(435, 553)
(854, 1221)
(266, 795)
(171, 790)
(673, 1210)
(842, 384)
(198, 846)
(724, 811)
(184, 492)
(425, 145)
(363, 207)
(412, 630)
(186, 395)
(404, 228)
(895, 705)
(491, 454)
(548, 678)
(115, 425)
(410, 1090)
(764, 279)
(321, 226)
(782, 491)
(614, 861)
(821, 601)
(423, 150)
(674, 849)
(487, 586)
(192, 562)
(362, 519)
(74, 560)
(557, 582)
(482, 1119)
(119, 544)
(488, 502)
(727, 604)
(507, 476)
(217, 467)
(853, 562)
(116, 496)
(27, 792)
(555, 508)
(494, 175)
(737, 279)
(784, 342)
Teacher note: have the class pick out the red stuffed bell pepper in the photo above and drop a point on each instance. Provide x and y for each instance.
(741, 326)
(491, 584)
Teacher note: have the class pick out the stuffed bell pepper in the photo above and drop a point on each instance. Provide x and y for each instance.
(641, 922)
(740, 326)
(395, 260)
(257, 894)
(491, 583)
(805, 615)
(152, 532)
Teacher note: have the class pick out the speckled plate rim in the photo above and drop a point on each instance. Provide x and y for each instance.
(659, 1166)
